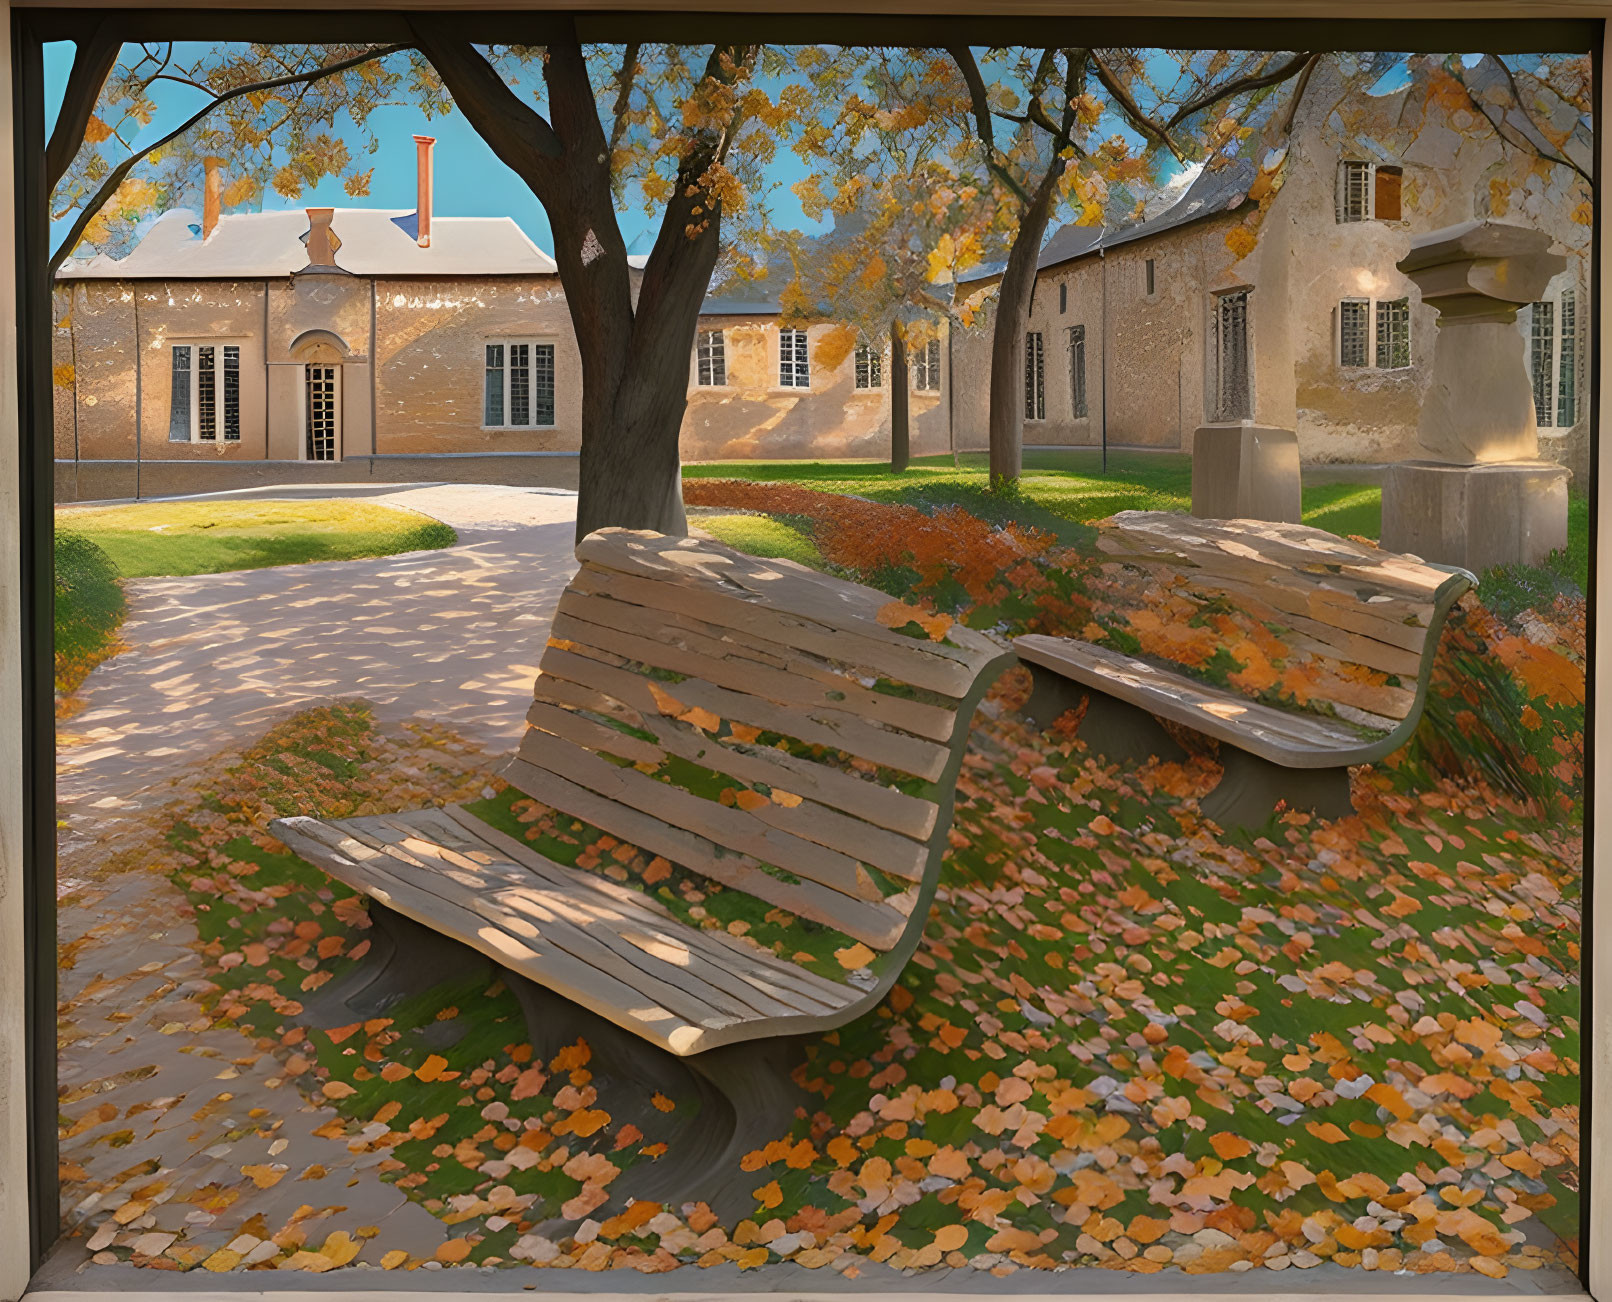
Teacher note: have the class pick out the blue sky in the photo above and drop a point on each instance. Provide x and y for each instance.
(470, 180)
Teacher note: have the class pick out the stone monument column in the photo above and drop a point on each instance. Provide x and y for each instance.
(1477, 493)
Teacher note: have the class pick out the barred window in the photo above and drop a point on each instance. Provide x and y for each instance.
(712, 359)
(1393, 334)
(1541, 354)
(205, 393)
(926, 367)
(869, 367)
(1232, 389)
(1567, 361)
(1077, 370)
(1354, 191)
(794, 362)
(1354, 331)
(1035, 377)
(518, 384)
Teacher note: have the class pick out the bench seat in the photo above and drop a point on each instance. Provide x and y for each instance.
(614, 950)
(1301, 741)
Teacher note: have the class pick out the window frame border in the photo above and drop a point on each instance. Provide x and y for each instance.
(507, 340)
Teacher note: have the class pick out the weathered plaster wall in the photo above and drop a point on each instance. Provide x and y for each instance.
(1157, 344)
(1455, 170)
(202, 312)
(753, 416)
(104, 386)
(431, 363)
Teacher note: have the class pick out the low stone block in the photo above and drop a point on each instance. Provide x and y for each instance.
(1476, 516)
(1244, 471)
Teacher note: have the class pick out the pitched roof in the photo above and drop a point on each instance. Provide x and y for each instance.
(1206, 194)
(374, 242)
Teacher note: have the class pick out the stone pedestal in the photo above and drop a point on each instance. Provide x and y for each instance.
(1475, 516)
(1244, 471)
(1480, 497)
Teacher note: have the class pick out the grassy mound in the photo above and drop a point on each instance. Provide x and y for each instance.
(147, 539)
(89, 608)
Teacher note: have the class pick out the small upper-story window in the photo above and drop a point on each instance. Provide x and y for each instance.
(794, 363)
(1369, 192)
(926, 367)
(518, 390)
(1148, 274)
(1063, 296)
(711, 363)
(869, 367)
(205, 405)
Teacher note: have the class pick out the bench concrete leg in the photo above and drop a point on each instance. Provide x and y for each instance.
(404, 960)
(727, 1102)
(1112, 729)
(1250, 788)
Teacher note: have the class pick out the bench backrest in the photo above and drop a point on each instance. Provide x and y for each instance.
(1362, 622)
(760, 724)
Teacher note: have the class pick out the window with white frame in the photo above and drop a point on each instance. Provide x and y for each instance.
(205, 405)
(794, 360)
(1035, 377)
(1369, 192)
(1077, 371)
(1554, 352)
(1374, 335)
(518, 391)
(926, 367)
(711, 359)
(869, 367)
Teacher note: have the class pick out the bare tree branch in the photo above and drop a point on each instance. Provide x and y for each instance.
(93, 61)
(1154, 131)
(1299, 88)
(114, 178)
(1237, 85)
(963, 57)
(624, 84)
(1516, 95)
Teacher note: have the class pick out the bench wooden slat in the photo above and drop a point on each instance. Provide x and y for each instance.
(878, 924)
(1296, 740)
(668, 642)
(531, 914)
(723, 825)
(842, 732)
(903, 658)
(803, 989)
(1295, 546)
(579, 982)
(852, 793)
(810, 821)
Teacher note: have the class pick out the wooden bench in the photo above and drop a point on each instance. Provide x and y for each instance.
(675, 658)
(1363, 623)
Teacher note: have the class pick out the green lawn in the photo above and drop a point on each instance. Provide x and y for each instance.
(146, 539)
(760, 535)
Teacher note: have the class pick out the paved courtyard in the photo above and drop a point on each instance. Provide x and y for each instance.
(213, 659)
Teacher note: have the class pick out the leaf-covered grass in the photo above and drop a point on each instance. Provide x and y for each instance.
(89, 608)
(761, 535)
(146, 539)
(1125, 1041)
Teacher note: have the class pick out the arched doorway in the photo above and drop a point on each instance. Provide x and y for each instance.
(321, 354)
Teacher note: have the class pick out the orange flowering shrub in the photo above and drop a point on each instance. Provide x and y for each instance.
(1506, 700)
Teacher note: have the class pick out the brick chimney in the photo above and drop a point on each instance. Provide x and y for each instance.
(213, 196)
(322, 241)
(422, 202)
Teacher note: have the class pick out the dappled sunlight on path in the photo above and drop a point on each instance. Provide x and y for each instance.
(453, 634)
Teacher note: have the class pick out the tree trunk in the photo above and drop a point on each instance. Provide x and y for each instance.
(1007, 335)
(634, 357)
(900, 406)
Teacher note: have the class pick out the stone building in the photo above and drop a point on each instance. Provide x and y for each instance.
(1270, 292)
(340, 344)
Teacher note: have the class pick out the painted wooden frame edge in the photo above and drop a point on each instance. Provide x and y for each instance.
(21, 912)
